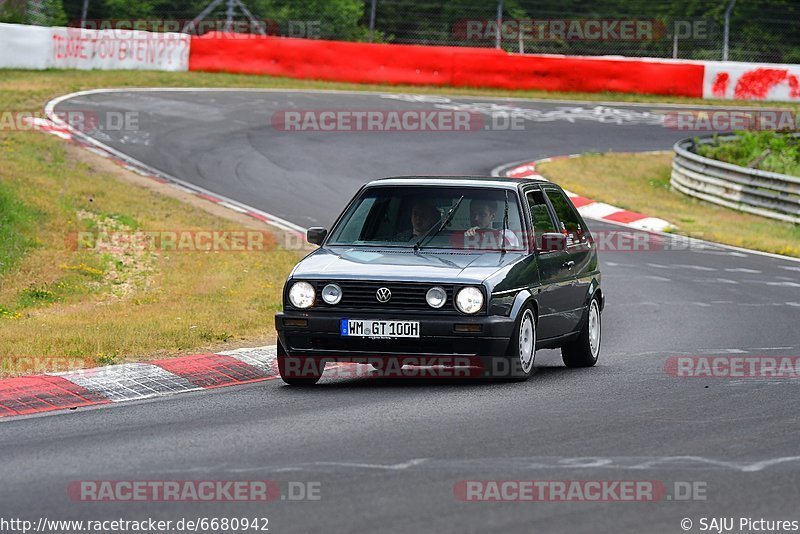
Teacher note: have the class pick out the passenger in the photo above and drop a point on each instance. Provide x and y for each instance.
(482, 215)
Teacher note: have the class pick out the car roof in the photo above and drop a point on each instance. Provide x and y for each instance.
(465, 181)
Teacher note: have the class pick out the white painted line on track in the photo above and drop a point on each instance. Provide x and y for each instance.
(516, 464)
(694, 267)
(724, 104)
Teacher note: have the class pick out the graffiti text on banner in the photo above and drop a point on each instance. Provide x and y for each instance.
(87, 49)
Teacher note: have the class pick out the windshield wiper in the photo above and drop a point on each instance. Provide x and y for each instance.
(439, 226)
(505, 226)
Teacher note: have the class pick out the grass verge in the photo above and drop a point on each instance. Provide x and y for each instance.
(16, 221)
(640, 182)
(64, 306)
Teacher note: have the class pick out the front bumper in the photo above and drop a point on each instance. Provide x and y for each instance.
(321, 337)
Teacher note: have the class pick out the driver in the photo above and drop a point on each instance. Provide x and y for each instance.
(423, 215)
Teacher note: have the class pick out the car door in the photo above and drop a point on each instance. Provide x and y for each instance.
(578, 255)
(555, 276)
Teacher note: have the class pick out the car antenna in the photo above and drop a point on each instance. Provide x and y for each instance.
(505, 225)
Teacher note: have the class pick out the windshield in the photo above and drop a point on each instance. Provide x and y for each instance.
(401, 216)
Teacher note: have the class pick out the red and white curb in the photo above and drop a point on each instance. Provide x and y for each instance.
(27, 395)
(591, 209)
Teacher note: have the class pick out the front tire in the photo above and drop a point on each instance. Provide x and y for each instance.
(299, 371)
(521, 353)
(584, 351)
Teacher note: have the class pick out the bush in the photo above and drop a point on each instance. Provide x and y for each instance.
(748, 147)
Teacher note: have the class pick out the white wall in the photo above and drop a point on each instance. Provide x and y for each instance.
(36, 47)
(24, 47)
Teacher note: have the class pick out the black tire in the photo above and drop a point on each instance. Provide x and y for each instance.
(518, 363)
(584, 351)
(299, 371)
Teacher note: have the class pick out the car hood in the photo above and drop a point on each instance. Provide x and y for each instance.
(344, 263)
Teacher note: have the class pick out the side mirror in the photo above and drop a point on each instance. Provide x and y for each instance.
(552, 241)
(316, 235)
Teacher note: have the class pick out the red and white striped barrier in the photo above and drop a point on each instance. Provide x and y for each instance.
(480, 67)
(751, 81)
(34, 47)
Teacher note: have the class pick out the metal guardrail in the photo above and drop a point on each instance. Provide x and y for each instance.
(764, 193)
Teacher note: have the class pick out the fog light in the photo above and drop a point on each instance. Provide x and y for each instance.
(332, 294)
(436, 297)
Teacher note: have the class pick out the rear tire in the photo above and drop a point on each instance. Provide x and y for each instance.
(584, 351)
(299, 371)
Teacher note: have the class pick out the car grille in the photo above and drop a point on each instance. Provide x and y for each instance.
(405, 296)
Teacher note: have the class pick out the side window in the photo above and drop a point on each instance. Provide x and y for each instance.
(568, 219)
(540, 215)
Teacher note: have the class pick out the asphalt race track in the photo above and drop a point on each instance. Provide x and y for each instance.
(388, 452)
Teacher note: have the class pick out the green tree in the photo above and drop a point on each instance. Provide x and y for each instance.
(12, 11)
(338, 19)
(50, 13)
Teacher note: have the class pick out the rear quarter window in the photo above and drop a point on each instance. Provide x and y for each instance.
(568, 218)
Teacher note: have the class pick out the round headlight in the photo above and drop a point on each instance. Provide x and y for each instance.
(332, 294)
(469, 300)
(436, 297)
(302, 295)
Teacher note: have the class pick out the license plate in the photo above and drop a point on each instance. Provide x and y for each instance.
(379, 328)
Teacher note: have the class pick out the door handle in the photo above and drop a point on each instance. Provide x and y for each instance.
(569, 264)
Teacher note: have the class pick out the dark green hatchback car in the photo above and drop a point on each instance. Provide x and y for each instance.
(448, 271)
